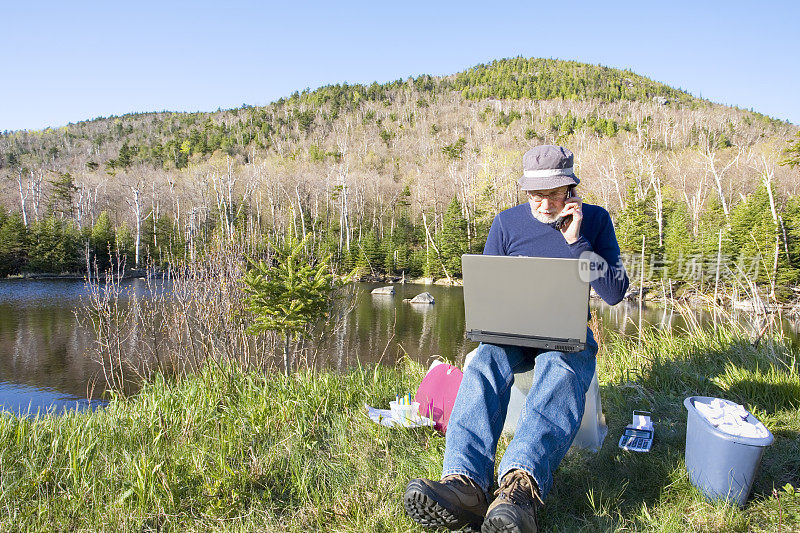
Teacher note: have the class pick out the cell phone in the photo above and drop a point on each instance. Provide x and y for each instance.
(560, 222)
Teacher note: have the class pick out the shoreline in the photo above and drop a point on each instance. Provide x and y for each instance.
(694, 299)
(46, 276)
(651, 293)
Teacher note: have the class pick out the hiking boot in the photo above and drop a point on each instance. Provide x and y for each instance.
(453, 503)
(514, 509)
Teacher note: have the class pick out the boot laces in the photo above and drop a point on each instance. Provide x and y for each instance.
(518, 487)
(458, 479)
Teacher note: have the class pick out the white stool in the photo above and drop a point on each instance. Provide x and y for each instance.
(593, 425)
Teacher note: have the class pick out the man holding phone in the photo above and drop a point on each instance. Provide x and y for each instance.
(553, 223)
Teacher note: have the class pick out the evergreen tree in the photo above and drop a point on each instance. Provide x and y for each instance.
(636, 220)
(329, 246)
(712, 224)
(171, 243)
(455, 151)
(388, 252)
(712, 221)
(452, 239)
(290, 293)
(791, 220)
(792, 153)
(417, 262)
(351, 257)
(54, 246)
(62, 195)
(126, 155)
(431, 267)
(149, 239)
(370, 258)
(123, 243)
(102, 242)
(13, 244)
(754, 233)
(402, 237)
(679, 246)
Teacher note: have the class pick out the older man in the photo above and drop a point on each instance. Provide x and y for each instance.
(553, 223)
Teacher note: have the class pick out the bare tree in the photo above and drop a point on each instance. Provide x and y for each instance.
(24, 192)
(655, 181)
(710, 156)
(692, 190)
(342, 168)
(765, 163)
(135, 203)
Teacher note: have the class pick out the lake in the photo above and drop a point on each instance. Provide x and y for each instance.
(46, 356)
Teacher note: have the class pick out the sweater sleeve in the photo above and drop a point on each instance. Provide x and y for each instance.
(494, 242)
(611, 281)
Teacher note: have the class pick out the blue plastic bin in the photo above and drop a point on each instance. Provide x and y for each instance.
(721, 465)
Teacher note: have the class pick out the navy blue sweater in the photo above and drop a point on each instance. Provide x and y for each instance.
(515, 231)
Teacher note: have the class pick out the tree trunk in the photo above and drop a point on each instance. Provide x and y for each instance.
(35, 187)
(719, 260)
(137, 210)
(768, 175)
(287, 340)
(711, 156)
(22, 197)
(435, 249)
(641, 274)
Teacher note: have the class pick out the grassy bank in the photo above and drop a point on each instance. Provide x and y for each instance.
(230, 451)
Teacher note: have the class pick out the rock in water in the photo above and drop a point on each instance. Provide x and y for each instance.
(424, 298)
(384, 290)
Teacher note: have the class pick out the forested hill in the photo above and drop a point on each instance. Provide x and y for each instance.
(169, 139)
(543, 79)
(401, 177)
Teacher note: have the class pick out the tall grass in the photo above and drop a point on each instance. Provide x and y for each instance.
(219, 449)
(231, 449)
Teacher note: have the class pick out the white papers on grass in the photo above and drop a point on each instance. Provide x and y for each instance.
(731, 418)
(384, 418)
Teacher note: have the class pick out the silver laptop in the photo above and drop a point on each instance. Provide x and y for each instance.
(539, 302)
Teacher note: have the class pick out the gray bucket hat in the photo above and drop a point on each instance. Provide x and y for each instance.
(547, 167)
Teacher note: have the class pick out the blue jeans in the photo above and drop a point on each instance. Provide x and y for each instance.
(548, 423)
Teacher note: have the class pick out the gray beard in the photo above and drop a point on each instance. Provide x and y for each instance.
(544, 219)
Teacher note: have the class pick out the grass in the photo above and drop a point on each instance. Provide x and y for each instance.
(226, 450)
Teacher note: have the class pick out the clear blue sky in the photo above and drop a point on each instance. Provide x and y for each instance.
(69, 61)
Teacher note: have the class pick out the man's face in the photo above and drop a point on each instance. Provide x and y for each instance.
(546, 204)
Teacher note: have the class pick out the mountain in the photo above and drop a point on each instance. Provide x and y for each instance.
(168, 140)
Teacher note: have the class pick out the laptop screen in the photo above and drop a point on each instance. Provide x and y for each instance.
(525, 298)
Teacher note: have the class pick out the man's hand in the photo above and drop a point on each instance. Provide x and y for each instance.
(571, 230)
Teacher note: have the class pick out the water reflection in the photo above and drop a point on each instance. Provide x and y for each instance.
(25, 400)
(43, 350)
(384, 328)
(627, 318)
(41, 345)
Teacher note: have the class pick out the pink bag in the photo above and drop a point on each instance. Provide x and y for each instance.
(437, 393)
